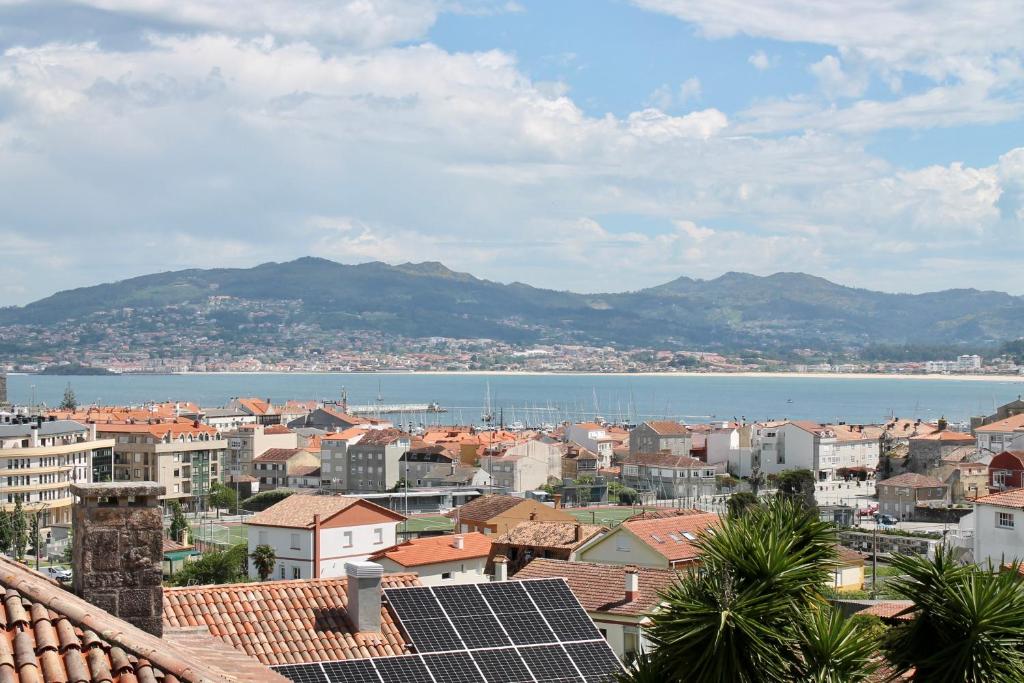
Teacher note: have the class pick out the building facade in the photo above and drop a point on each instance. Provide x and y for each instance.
(668, 475)
(660, 435)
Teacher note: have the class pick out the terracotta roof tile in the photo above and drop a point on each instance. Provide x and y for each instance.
(487, 507)
(601, 587)
(50, 635)
(913, 480)
(540, 534)
(667, 427)
(432, 549)
(1014, 498)
(890, 609)
(672, 537)
(1010, 424)
(297, 510)
(286, 622)
(278, 454)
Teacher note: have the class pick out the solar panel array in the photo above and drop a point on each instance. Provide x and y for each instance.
(531, 631)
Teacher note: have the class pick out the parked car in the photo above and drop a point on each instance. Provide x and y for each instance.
(57, 573)
(885, 520)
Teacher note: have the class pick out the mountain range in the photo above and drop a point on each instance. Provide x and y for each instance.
(774, 313)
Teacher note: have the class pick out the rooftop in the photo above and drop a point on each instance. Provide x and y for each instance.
(286, 622)
(46, 428)
(1014, 498)
(665, 460)
(913, 480)
(297, 510)
(434, 549)
(673, 537)
(549, 534)
(601, 587)
(278, 454)
(667, 427)
(1011, 424)
(487, 507)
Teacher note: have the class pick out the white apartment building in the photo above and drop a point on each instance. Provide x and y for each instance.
(823, 449)
(964, 363)
(524, 467)
(41, 458)
(439, 560)
(247, 443)
(1003, 435)
(999, 528)
(314, 536)
(594, 438)
(730, 445)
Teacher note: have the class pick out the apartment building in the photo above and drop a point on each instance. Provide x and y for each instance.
(363, 461)
(595, 438)
(668, 475)
(1002, 435)
(40, 459)
(830, 451)
(274, 467)
(250, 441)
(656, 436)
(184, 457)
(524, 467)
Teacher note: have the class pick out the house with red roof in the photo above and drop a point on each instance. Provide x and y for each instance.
(1006, 471)
(439, 560)
(999, 527)
(1002, 435)
(660, 542)
(654, 436)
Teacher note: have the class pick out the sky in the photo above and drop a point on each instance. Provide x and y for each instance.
(589, 145)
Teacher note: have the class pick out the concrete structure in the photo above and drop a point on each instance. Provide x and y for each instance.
(660, 435)
(41, 459)
(439, 560)
(374, 461)
(183, 457)
(829, 451)
(244, 444)
(494, 514)
(899, 496)
(668, 475)
(730, 444)
(117, 550)
(524, 467)
(314, 536)
(420, 460)
(999, 528)
(848, 574)
(927, 451)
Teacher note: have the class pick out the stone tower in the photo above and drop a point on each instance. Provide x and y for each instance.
(117, 550)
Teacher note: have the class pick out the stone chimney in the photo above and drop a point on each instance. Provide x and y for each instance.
(632, 584)
(500, 568)
(117, 550)
(458, 541)
(363, 588)
(557, 500)
(577, 534)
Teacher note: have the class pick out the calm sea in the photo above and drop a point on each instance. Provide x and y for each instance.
(537, 399)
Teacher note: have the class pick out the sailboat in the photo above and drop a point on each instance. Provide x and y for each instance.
(488, 415)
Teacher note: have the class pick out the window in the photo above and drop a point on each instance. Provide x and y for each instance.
(1004, 520)
(262, 536)
(347, 539)
(378, 536)
(622, 544)
(296, 572)
(295, 545)
(446, 575)
(282, 571)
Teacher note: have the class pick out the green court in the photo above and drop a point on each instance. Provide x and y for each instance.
(220, 534)
(424, 523)
(609, 517)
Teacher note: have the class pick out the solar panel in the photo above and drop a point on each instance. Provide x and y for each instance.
(481, 631)
(571, 624)
(507, 596)
(551, 593)
(527, 628)
(549, 663)
(502, 666)
(414, 603)
(595, 660)
(460, 601)
(433, 635)
(304, 673)
(351, 671)
(405, 669)
(453, 667)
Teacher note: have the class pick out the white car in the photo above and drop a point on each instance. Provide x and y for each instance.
(57, 573)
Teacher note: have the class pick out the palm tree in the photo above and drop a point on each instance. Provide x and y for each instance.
(834, 650)
(967, 625)
(264, 559)
(750, 613)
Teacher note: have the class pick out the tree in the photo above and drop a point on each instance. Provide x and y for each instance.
(19, 524)
(222, 496)
(756, 480)
(264, 499)
(6, 531)
(739, 503)
(751, 614)
(69, 402)
(215, 567)
(178, 522)
(799, 486)
(967, 625)
(263, 559)
(583, 489)
(628, 496)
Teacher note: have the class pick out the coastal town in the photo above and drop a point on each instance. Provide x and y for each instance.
(393, 530)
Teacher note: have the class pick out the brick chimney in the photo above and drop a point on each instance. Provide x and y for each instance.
(577, 532)
(117, 550)
(364, 595)
(632, 584)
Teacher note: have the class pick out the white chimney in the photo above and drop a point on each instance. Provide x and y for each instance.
(458, 541)
(632, 584)
(363, 588)
(500, 568)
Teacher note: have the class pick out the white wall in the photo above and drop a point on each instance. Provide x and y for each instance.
(337, 546)
(461, 571)
(994, 543)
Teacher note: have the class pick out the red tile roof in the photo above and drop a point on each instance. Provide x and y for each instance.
(487, 507)
(1014, 498)
(1010, 424)
(553, 534)
(602, 587)
(890, 609)
(297, 510)
(667, 536)
(913, 480)
(277, 429)
(667, 427)
(51, 635)
(286, 622)
(433, 549)
(944, 435)
(278, 454)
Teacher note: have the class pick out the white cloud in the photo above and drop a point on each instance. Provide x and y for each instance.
(761, 61)
(837, 82)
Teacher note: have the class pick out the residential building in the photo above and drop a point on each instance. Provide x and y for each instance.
(524, 467)
(494, 514)
(848, 574)
(457, 475)
(314, 536)
(334, 457)
(900, 496)
(332, 419)
(656, 436)
(222, 419)
(829, 451)
(966, 480)
(595, 438)
(1006, 471)
(659, 542)
(1002, 435)
(579, 462)
(730, 445)
(374, 462)
(439, 560)
(999, 528)
(1015, 407)
(421, 459)
(305, 477)
(927, 451)
(184, 457)
(40, 459)
(668, 475)
(619, 598)
(249, 441)
(276, 465)
(262, 409)
(551, 540)
(290, 622)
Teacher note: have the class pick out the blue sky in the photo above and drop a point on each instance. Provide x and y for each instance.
(590, 145)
